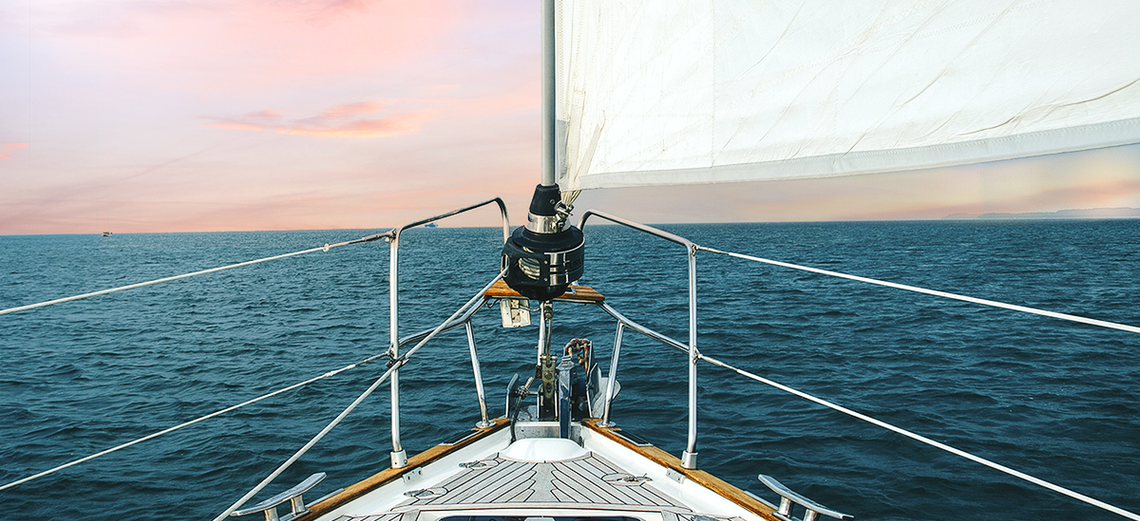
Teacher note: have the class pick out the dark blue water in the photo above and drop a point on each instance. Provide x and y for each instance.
(1053, 399)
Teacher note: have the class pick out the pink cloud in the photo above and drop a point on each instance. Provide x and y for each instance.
(327, 11)
(264, 114)
(6, 149)
(349, 121)
(351, 109)
(247, 44)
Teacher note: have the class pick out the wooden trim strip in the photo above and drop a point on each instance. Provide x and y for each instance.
(580, 294)
(701, 477)
(389, 475)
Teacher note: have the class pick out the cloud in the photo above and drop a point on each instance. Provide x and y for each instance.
(327, 10)
(350, 120)
(223, 46)
(6, 149)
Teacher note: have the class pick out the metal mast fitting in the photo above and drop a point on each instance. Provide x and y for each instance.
(542, 258)
(549, 111)
(545, 256)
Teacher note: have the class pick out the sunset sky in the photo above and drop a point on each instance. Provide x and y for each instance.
(205, 115)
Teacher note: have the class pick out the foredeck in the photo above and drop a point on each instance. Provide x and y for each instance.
(589, 482)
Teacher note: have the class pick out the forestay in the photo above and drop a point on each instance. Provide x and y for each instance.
(703, 91)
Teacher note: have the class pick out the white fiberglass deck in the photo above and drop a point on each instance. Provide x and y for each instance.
(550, 478)
(588, 482)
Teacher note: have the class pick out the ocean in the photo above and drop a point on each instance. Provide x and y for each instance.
(1053, 399)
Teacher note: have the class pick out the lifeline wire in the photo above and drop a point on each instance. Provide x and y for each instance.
(1037, 481)
(1002, 468)
(326, 247)
(993, 303)
(397, 363)
(191, 422)
(1056, 488)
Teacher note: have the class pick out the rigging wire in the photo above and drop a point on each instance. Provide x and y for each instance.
(1073, 318)
(954, 296)
(203, 418)
(324, 248)
(399, 362)
(977, 459)
(192, 422)
(396, 364)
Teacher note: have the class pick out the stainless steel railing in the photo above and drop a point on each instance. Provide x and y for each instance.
(689, 456)
(399, 455)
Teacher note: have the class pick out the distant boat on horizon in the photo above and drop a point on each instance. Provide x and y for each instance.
(431, 225)
(1083, 213)
(107, 234)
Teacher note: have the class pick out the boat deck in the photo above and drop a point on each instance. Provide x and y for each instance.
(555, 480)
(589, 482)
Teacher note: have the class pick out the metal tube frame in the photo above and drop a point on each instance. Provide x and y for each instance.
(689, 456)
(466, 317)
(623, 321)
(549, 111)
(545, 325)
(464, 320)
(613, 376)
(546, 394)
(399, 455)
(485, 422)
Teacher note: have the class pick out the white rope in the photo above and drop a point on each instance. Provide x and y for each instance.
(326, 247)
(187, 424)
(1014, 307)
(1037, 481)
(396, 365)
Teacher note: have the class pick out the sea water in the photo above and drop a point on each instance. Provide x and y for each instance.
(1053, 399)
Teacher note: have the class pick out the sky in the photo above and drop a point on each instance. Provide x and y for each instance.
(229, 115)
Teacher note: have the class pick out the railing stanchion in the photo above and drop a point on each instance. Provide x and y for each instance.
(613, 377)
(399, 456)
(689, 457)
(485, 422)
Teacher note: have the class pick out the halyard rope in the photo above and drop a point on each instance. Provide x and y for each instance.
(993, 303)
(326, 248)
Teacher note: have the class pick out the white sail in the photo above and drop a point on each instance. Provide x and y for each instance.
(701, 91)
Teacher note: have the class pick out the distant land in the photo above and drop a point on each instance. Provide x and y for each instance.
(1090, 213)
